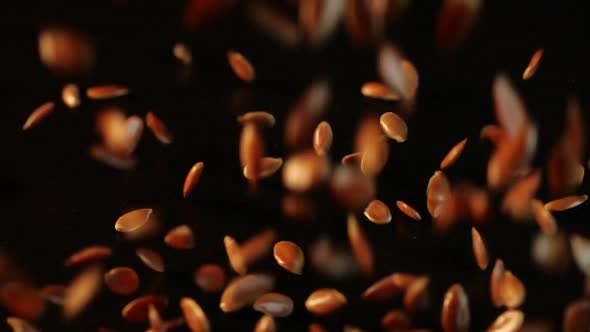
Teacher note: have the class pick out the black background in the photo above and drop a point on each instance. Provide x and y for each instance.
(55, 200)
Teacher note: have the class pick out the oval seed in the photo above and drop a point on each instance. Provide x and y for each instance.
(533, 65)
(551, 253)
(180, 237)
(351, 188)
(244, 290)
(388, 287)
(508, 321)
(493, 133)
(266, 323)
(394, 126)
(304, 171)
(268, 167)
(360, 245)
(258, 246)
(395, 320)
(455, 22)
(353, 159)
(378, 212)
(408, 210)
(70, 95)
(106, 91)
(379, 91)
(259, 118)
(576, 317)
(289, 256)
(210, 278)
(155, 320)
(136, 311)
(241, 66)
(20, 325)
(373, 145)
(325, 301)
(192, 178)
(437, 193)
(512, 290)
(158, 128)
(38, 115)
(581, 252)
(274, 304)
(133, 220)
(518, 201)
(480, 251)
(416, 296)
(194, 316)
(322, 138)
(251, 151)
(274, 24)
(22, 300)
(495, 282)
(453, 154)
(89, 255)
(234, 254)
(566, 203)
(81, 291)
(101, 153)
(122, 280)
(151, 259)
(455, 311)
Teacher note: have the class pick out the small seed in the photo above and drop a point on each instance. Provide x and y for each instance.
(576, 317)
(274, 304)
(82, 291)
(305, 171)
(155, 320)
(244, 290)
(251, 151)
(325, 301)
(20, 325)
(360, 245)
(183, 53)
(180, 237)
(151, 259)
(480, 251)
(54, 293)
(408, 210)
(258, 246)
(158, 128)
(394, 126)
(210, 278)
(241, 66)
(566, 203)
(136, 311)
(89, 255)
(106, 91)
(322, 138)
(512, 290)
(266, 323)
(352, 189)
(268, 167)
(581, 252)
(122, 280)
(194, 316)
(453, 154)
(260, 119)
(378, 212)
(416, 296)
(70, 95)
(533, 65)
(508, 321)
(234, 254)
(133, 220)
(289, 256)
(495, 282)
(38, 115)
(455, 311)
(544, 218)
(353, 159)
(22, 300)
(388, 287)
(551, 253)
(395, 320)
(192, 178)
(379, 91)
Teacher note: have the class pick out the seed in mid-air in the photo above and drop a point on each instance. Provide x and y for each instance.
(512, 290)
(180, 237)
(241, 66)
(408, 210)
(106, 91)
(576, 316)
(38, 115)
(508, 321)
(251, 151)
(22, 300)
(122, 280)
(70, 95)
(136, 311)
(192, 178)
(289, 256)
(158, 128)
(259, 118)
(82, 291)
(378, 212)
(322, 138)
(480, 251)
(234, 254)
(183, 53)
(194, 316)
(394, 126)
(453, 154)
(566, 203)
(266, 323)
(416, 296)
(325, 301)
(274, 304)
(379, 91)
(388, 287)
(533, 65)
(455, 316)
(360, 245)
(581, 252)
(210, 278)
(89, 255)
(133, 220)
(244, 290)
(352, 159)
(20, 325)
(65, 50)
(305, 171)
(495, 282)
(151, 259)
(258, 246)
(268, 167)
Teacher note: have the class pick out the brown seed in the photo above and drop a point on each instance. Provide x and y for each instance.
(133, 220)
(251, 151)
(136, 311)
(20, 325)
(512, 290)
(210, 278)
(360, 245)
(151, 259)
(408, 210)
(533, 65)
(576, 317)
(551, 253)
(455, 311)
(508, 321)
(70, 95)
(82, 291)
(104, 155)
(192, 178)
(289, 256)
(266, 323)
(325, 301)
(234, 254)
(495, 282)
(244, 290)
(274, 304)
(274, 24)
(438, 192)
(394, 126)
(544, 218)
(194, 316)
(315, 327)
(352, 189)
(353, 159)
(518, 201)
(416, 296)
(260, 119)
(155, 320)
(65, 50)
(509, 107)
(241, 66)
(395, 320)
(180, 237)
(566, 203)
(388, 287)
(122, 280)
(22, 300)
(453, 154)
(455, 22)
(480, 251)
(322, 138)
(378, 212)
(53, 293)
(169, 325)
(581, 252)
(373, 146)
(183, 53)
(258, 246)
(378, 90)
(158, 128)
(268, 167)
(305, 171)
(493, 133)
(106, 91)
(38, 115)
(89, 255)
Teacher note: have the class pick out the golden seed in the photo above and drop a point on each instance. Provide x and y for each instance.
(378, 212)
(182, 52)
(122, 280)
(512, 290)
(388, 287)
(158, 128)
(194, 316)
(373, 146)
(155, 320)
(65, 51)
(305, 171)
(38, 115)
(322, 138)
(70, 95)
(133, 220)
(509, 107)
(353, 159)
(395, 320)
(22, 300)
(244, 290)
(378, 90)
(544, 218)
(151, 259)
(251, 151)
(455, 314)
(260, 119)
(210, 278)
(82, 291)
(416, 296)
(106, 91)
(352, 189)
(289, 256)
(325, 301)
(533, 65)
(581, 252)
(268, 167)
(192, 178)
(453, 154)
(274, 304)
(180, 237)
(408, 210)
(241, 66)
(508, 321)
(495, 282)
(88, 255)
(266, 323)
(360, 245)
(394, 126)
(576, 316)
(258, 246)
(234, 254)
(480, 251)
(20, 325)
(136, 311)
(566, 203)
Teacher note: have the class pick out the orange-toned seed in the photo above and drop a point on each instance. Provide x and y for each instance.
(581, 252)
(258, 246)
(508, 321)
(388, 287)
(259, 118)
(251, 151)
(455, 316)
(151, 259)
(408, 210)
(234, 254)
(322, 138)
(395, 320)
(38, 115)
(192, 178)
(512, 290)
(315, 327)
(158, 128)
(82, 291)
(533, 65)
(274, 304)
(106, 91)
(518, 201)
(88, 255)
(351, 189)
(495, 282)
(122, 280)
(416, 296)
(194, 316)
(305, 171)
(210, 278)
(576, 316)
(244, 290)
(70, 95)
(453, 154)
(378, 212)
(544, 218)
(22, 300)
(551, 253)
(394, 126)
(65, 50)
(360, 245)
(182, 52)
(54, 293)
(353, 159)
(180, 237)
(241, 66)
(379, 91)
(325, 301)
(268, 167)
(20, 325)
(136, 311)
(480, 251)
(289, 256)
(155, 319)
(566, 203)
(133, 220)
(266, 323)
(455, 22)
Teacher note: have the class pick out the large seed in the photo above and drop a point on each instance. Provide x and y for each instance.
(151, 259)
(244, 290)
(576, 317)
(122, 280)
(20, 325)
(416, 296)
(373, 146)
(258, 246)
(408, 210)
(89, 255)
(38, 115)
(70, 95)
(581, 252)
(394, 126)
(289, 256)
(305, 171)
(325, 301)
(508, 321)
(315, 327)
(566, 203)
(544, 218)
(259, 118)
(495, 282)
(155, 320)
(136, 311)
(360, 245)
(180, 237)
(133, 220)
(268, 167)
(395, 320)
(551, 253)
(234, 254)
(158, 128)
(352, 189)
(65, 51)
(194, 316)
(22, 300)
(322, 138)
(455, 21)
(378, 212)
(455, 315)
(437, 193)
(274, 304)
(533, 65)
(210, 278)
(251, 151)
(453, 154)
(82, 291)
(241, 66)
(378, 90)
(480, 251)
(266, 323)
(106, 91)
(352, 159)
(388, 287)
(512, 290)
(192, 178)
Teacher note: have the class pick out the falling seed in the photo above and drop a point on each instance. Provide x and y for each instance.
(508, 321)
(82, 291)
(241, 66)
(495, 282)
(299, 207)
(315, 327)
(408, 210)
(453, 154)
(393, 73)
(53, 293)
(180, 237)
(533, 65)
(100, 92)
(258, 246)
(289, 256)
(210, 278)
(192, 178)
(274, 304)
(455, 314)
(38, 115)
(20, 325)
(70, 95)
(394, 126)
(134, 131)
(512, 290)
(154, 319)
(114, 127)
(378, 212)
(202, 12)
(304, 171)
(158, 128)
(352, 189)
(122, 280)
(260, 119)
(251, 151)
(438, 192)
(353, 159)
(388, 287)
(565, 203)
(544, 218)
(266, 323)
(322, 138)
(509, 107)
(22, 300)
(581, 252)
(325, 301)
(379, 91)
(234, 254)
(575, 132)
(169, 325)
(576, 316)
(350, 328)
(268, 167)
(518, 201)
(564, 173)
(182, 53)
(104, 155)
(360, 245)
(455, 22)
(244, 290)
(151, 259)
(493, 133)
(411, 75)
(551, 253)
(136, 311)
(480, 251)
(64, 50)
(331, 261)
(319, 19)
(133, 220)
(416, 296)
(194, 316)
(88, 255)
(274, 24)
(373, 145)
(395, 320)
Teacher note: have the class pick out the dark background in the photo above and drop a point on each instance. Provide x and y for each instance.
(55, 200)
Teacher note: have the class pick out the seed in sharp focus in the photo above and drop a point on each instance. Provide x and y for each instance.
(251, 151)
(38, 115)
(82, 291)
(581, 252)
(453, 154)
(122, 280)
(268, 167)
(388, 287)
(416, 297)
(20, 325)
(194, 316)
(325, 301)
(260, 119)
(133, 220)
(234, 254)
(544, 218)
(576, 317)
(266, 323)
(65, 50)
(106, 91)
(455, 316)
(305, 171)
(495, 281)
(480, 251)
(154, 319)
(180, 237)
(378, 212)
(244, 290)
(54, 293)
(151, 259)
(241, 66)
(274, 304)
(289, 256)
(351, 189)
(70, 95)
(192, 178)
(352, 159)
(136, 311)
(360, 245)
(22, 300)
(408, 210)
(274, 24)
(512, 290)
(566, 203)
(182, 53)
(258, 246)
(89, 255)
(508, 321)
(322, 138)
(551, 253)
(378, 90)
(394, 126)
(168, 325)
(533, 65)
(158, 128)
(210, 278)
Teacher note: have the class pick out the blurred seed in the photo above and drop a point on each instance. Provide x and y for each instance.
(134, 131)
(416, 297)
(315, 327)
(564, 173)
(234, 254)
(112, 124)
(512, 290)
(266, 323)
(274, 24)
(576, 317)
(408, 210)
(518, 201)
(358, 23)
(305, 171)
(351, 328)
(104, 155)
(331, 261)
(360, 245)
(38, 115)
(100, 92)
(169, 325)
(411, 75)
(53, 293)
(544, 218)
(508, 321)
(495, 282)
(192, 178)
(155, 320)
(551, 253)
(210, 278)
(194, 316)
(455, 314)
(202, 12)
(299, 207)
(437, 193)
(509, 107)
(88, 255)
(122, 280)
(394, 73)
(455, 22)
(379, 91)
(493, 133)
(151, 259)
(566, 203)
(133, 220)
(20, 325)
(453, 154)
(319, 19)
(65, 50)
(82, 290)
(251, 151)
(325, 301)
(374, 147)
(70, 95)
(533, 65)
(378, 212)
(394, 126)
(258, 246)
(396, 320)
(182, 52)
(260, 119)
(353, 159)
(575, 132)
(352, 189)
(22, 300)
(274, 304)
(388, 287)
(268, 167)
(158, 128)
(581, 252)
(180, 237)
(136, 311)
(322, 138)
(244, 290)
(480, 251)
(289, 256)
(241, 66)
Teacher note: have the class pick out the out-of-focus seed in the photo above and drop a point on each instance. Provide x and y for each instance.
(274, 304)
(104, 155)
(551, 253)
(315, 327)
(122, 280)
(408, 210)
(325, 301)
(352, 159)
(322, 138)
(493, 133)
(508, 321)
(480, 251)
(244, 290)
(388, 287)
(394, 126)
(455, 21)
(289, 256)
(437, 193)
(351, 189)
(416, 297)
(133, 220)
(455, 314)
(319, 19)
(266, 323)
(251, 151)
(378, 212)
(259, 118)
(22, 300)
(495, 282)
(54, 293)
(581, 252)
(151, 259)
(453, 154)
(518, 201)
(234, 254)
(183, 53)
(274, 24)
(194, 316)
(360, 245)
(136, 311)
(82, 291)
(395, 320)
(566, 203)
(38, 115)
(533, 65)
(305, 171)
(192, 178)
(565, 173)
(210, 278)
(576, 317)
(70, 95)
(180, 237)
(241, 66)
(65, 51)
(258, 246)
(512, 290)
(169, 325)
(373, 146)
(158, 128)
(544, 218)
(100, 92)
(378, 90)
(268, 167)
(399, 74)
(20, 325)
(154, 319)
(88, 255)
